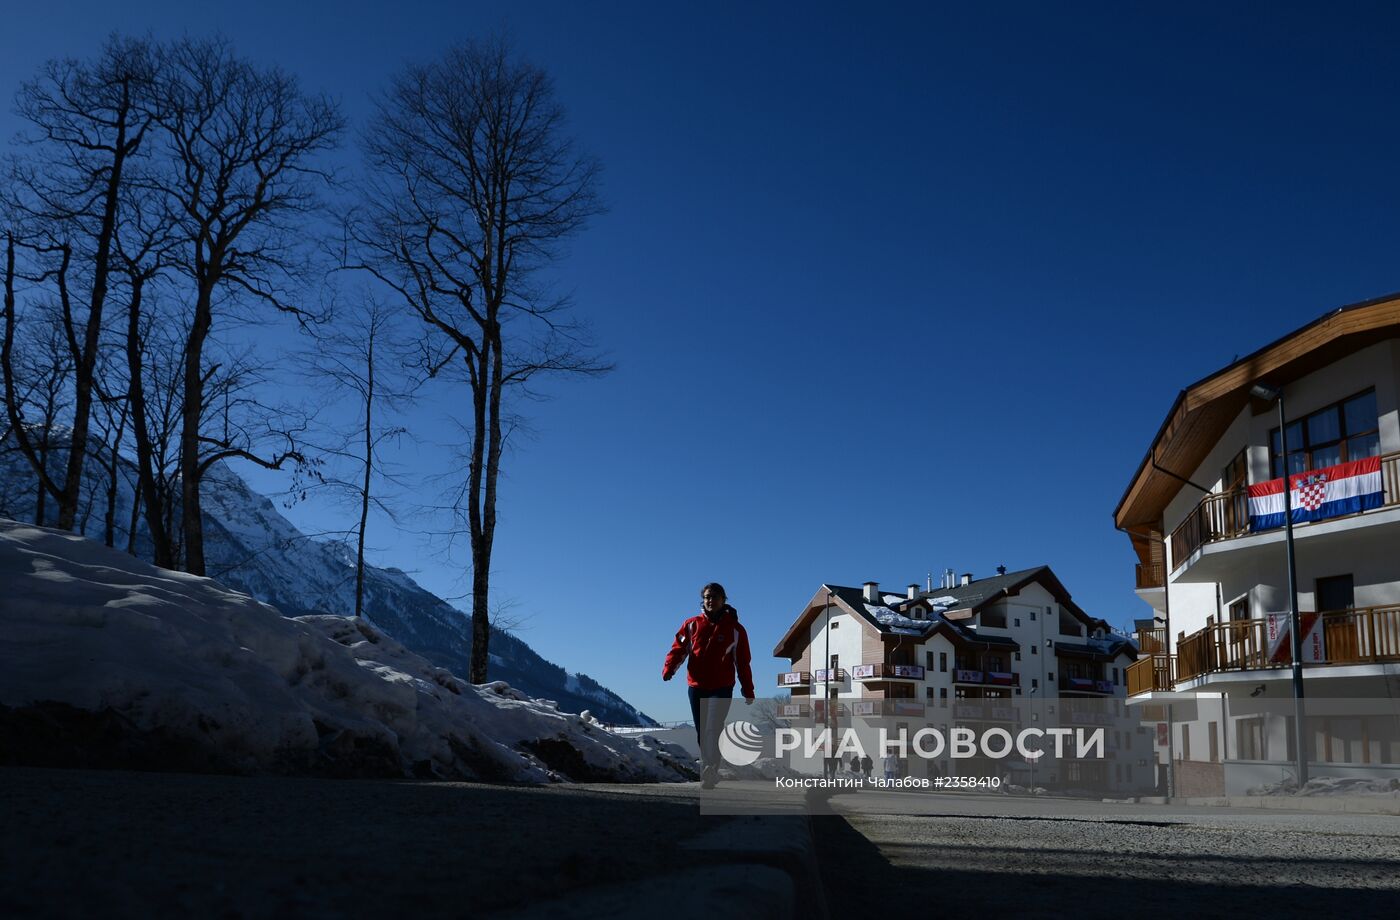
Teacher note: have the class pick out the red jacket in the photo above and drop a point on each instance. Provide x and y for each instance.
(716, 648)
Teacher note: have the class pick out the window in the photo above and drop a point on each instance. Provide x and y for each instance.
(1016, 655)
(943, 662)
(1214, 729)
(943, 697)
(1236, 472)
(835, 624)
(1186, 742)
(1335, 593)
(1115, 675)
(1234, 478)
(1050, 676)
(1035, 650)
(1344, 431)
(835, 662)
(1239, 610)
(1035, 684)
(928, 692)
(928, 661)
(1016, 621)
(1249, 738)
(1032, 616)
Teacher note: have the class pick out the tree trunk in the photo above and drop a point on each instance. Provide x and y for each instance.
(191, 524)
(86, 359)
(164, 555)
(364, 486)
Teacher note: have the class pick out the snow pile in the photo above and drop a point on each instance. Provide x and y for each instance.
(110, 661)
(899, 623)
(1332, 785)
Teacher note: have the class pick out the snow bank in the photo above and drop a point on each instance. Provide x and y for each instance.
(1333, 785)
(194, 675)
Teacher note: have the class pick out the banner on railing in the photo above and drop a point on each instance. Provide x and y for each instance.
(1318, 494)
(1281, 642)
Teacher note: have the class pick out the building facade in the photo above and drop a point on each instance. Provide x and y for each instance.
(951, 653)
(1205, 517)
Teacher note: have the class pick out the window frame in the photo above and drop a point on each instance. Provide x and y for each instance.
(1307, 448)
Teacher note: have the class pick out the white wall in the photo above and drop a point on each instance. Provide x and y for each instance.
(1375, 569)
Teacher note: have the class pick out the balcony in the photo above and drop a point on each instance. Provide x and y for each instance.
(1153, 673)
(880, 671)
(1150, 575)
(1072, 684)
(794, 679)
(825, 675)
(887, 707)
(1225, 515)
(1359, 635)
(987, 678)
(1151, 641)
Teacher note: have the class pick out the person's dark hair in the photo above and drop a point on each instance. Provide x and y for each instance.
(712, 587)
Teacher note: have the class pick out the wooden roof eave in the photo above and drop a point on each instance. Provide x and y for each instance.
(1203, 411)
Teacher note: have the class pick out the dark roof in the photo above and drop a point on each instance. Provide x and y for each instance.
(973, 596)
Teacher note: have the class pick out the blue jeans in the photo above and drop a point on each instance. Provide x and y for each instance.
(709, 719)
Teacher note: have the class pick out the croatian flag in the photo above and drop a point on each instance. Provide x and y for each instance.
(1318, 494)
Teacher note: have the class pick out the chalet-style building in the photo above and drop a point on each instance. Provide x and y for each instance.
(1014, 635)
(1204, 513)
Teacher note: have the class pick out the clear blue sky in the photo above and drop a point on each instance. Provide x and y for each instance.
(888, 292)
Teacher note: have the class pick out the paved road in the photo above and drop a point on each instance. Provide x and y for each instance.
(79, 843)
(977, 856)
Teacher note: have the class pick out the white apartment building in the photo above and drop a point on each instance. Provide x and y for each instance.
(1203, 512)
(1014, 636)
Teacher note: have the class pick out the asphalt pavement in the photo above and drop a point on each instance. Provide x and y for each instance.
(978, 855)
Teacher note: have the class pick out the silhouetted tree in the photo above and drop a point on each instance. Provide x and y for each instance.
(475, 184)
(244, 142)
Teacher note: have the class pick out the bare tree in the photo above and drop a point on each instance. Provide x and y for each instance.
(90, 120)
(38, 376)
(475, 187)
(357, 357)
(244, 143)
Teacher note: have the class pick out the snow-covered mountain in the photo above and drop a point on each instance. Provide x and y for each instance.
(251, 546)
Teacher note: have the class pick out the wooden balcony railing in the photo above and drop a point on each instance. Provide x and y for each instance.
(1224, 515)
(1151, 641)
(1150, 575)
(794, 678)
(1359, 635)
(1155, 672)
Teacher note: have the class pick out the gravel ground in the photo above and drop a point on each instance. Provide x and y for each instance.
(1171, 862)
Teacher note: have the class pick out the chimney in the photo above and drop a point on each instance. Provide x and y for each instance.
(967, 579)
(872, 592)
(913, 591)
(950, 578)
(1001, 570)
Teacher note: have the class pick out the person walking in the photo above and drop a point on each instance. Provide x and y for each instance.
(891, 765)
(715, 648)
(866, 765)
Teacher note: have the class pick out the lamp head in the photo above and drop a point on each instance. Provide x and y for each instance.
(1266, 392)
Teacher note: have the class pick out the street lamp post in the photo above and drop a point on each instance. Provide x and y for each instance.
(1264, 391)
